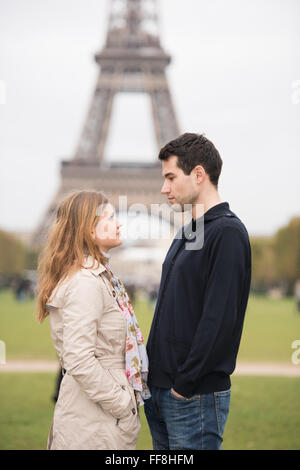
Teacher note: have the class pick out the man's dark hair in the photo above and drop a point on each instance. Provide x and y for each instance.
(192, 150)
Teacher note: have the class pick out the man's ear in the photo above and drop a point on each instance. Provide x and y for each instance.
(199, 173)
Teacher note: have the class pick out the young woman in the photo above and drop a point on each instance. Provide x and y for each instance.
(93, 329)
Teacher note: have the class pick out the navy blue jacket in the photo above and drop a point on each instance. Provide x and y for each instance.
(201, 304)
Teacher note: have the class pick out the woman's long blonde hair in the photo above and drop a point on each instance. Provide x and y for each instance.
(69, 241)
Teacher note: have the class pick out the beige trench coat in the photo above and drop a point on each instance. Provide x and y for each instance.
(96, 407)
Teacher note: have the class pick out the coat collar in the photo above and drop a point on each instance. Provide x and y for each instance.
(92, 266)
(57, 296)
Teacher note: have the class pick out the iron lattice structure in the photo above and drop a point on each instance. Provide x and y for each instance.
(132, 60)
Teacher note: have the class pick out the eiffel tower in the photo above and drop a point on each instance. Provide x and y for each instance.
(132, 60)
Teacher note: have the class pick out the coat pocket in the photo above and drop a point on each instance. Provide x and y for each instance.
(128, 422)
(127, 403)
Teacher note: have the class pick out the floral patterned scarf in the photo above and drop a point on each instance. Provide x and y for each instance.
(136, 361)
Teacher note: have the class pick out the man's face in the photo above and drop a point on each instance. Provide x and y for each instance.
(179, 188)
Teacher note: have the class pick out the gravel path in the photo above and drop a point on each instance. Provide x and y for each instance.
(242, 368)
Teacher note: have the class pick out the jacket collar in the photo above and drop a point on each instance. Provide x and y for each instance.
(196, 227)
(219, 210)
(92, 266)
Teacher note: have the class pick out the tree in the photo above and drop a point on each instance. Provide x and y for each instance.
(287, 248)
(264, 270)
(13, 255)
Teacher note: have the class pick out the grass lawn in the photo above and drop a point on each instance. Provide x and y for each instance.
(24, 337)
(263, 415)
(270, 328)
(264, 410)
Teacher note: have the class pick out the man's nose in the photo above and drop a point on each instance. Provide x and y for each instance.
(165, 188)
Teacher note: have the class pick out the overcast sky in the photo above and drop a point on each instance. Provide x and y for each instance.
(235, 76)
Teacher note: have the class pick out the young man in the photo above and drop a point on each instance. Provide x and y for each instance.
(198, 320)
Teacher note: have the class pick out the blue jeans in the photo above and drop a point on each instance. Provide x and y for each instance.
(187, 423)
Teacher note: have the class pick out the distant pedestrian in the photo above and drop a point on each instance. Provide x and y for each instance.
(297, 294)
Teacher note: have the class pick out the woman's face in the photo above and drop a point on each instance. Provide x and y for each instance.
(106, 233)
